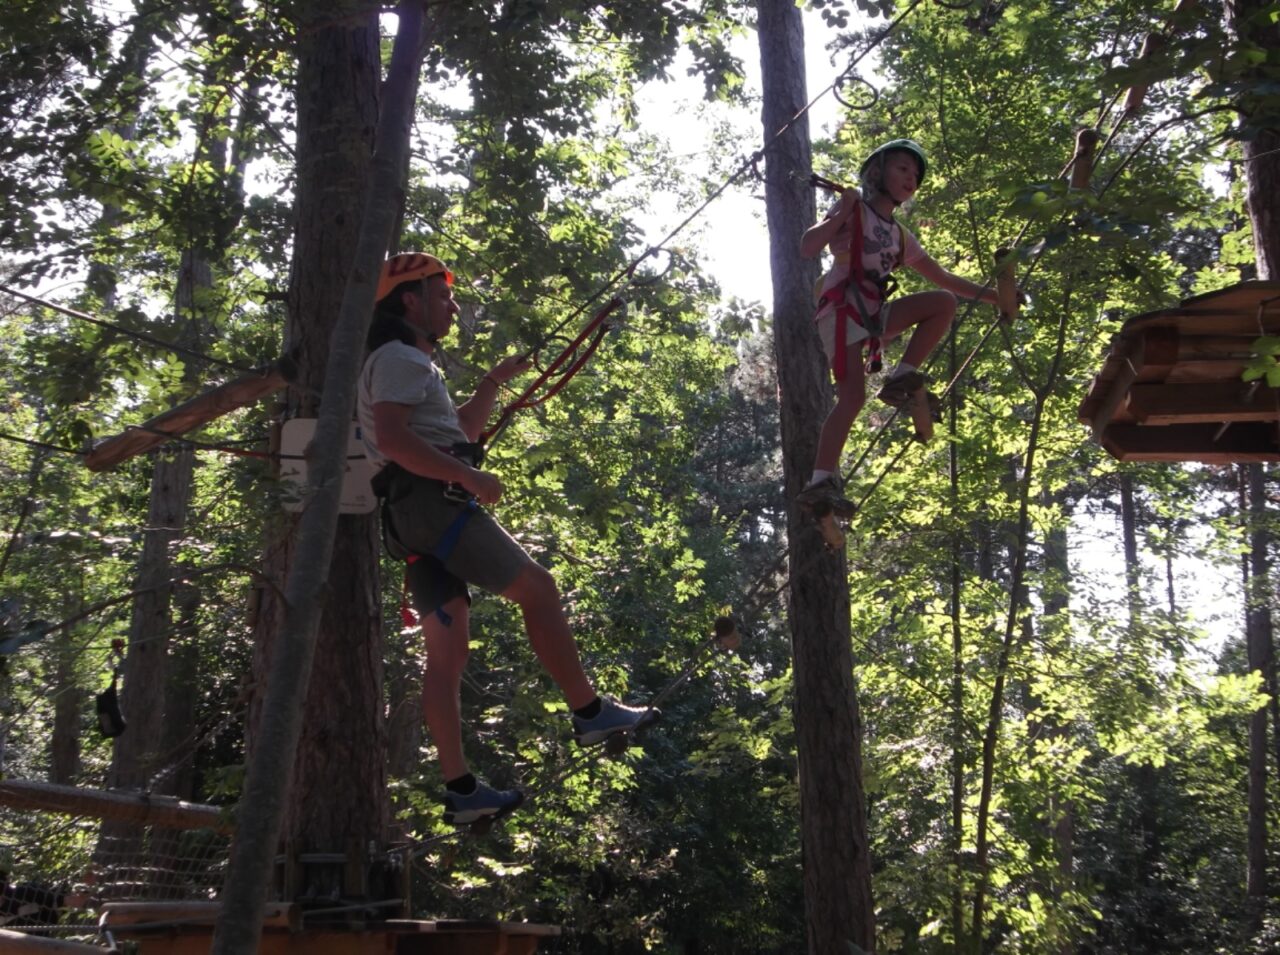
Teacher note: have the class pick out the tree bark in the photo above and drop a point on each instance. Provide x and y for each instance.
(837, 869)
(310, 590)
(1258, 648)
(339, 782)
(1261, 153)
(145, 664)
(959, 734)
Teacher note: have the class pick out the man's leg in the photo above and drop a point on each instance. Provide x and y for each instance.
(447, 649)
(535, 591)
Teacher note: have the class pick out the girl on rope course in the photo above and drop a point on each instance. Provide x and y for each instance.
(868, 244)
(431, 488)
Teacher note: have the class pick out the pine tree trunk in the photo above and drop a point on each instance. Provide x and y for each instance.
(1261, 152)
(310, 591)
(959, 731)
(338, 797)
(837, 869)
(64, 749)
(1258, 645)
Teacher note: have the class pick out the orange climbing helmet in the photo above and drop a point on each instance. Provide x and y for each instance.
(406, 267)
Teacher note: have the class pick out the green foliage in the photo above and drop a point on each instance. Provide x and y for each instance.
(651, 484)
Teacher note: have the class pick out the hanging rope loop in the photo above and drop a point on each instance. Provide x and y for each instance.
(870, 95)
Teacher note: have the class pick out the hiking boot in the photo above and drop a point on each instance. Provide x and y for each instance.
(462, 810)
(614, 717)
(826, 493)
(899, 388)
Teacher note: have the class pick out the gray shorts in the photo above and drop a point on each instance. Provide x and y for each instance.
(419, 519)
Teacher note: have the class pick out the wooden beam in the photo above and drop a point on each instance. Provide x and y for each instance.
(1082, 161)
(1216, 347)
(1006, 286)
(21, 943)
(200, 410)
(1244, 443)
(1118, 387)
(141, 808)
(1209, 403)
(139, 916)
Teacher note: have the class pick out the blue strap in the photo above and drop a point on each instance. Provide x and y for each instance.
(448, 541)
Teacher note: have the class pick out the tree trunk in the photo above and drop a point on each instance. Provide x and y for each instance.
(64, 749)
(1056, 599)
(348, 47)
(959, 734)
(339, 791)
(837, 869)
(1258, 646)
(1247, 20)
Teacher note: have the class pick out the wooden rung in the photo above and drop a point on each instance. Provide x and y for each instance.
(1006, 286)
(118, 915)
(1133, 99)
(140, 808)
(920, 415)
(1082, 161)
(20, 943)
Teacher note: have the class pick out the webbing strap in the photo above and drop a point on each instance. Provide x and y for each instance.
(530, 398)
(442, 551)
(855, 280)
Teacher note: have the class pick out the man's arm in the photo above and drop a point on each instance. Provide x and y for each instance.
(473, 413)
(397, 442)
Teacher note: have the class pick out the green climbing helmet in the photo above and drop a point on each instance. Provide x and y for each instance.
(898, 145)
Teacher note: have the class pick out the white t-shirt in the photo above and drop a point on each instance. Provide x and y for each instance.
(406, 375)
(885, 243)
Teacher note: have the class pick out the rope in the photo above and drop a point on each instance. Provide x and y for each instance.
(750, 164)
(138, 336)
(43, 446)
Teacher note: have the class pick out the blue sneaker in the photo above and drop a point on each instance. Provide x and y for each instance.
(614, 717)
(462, 810)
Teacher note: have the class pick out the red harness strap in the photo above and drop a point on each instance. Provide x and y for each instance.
(595, 330)
(865, 293)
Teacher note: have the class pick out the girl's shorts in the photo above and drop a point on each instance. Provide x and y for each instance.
(853, 332)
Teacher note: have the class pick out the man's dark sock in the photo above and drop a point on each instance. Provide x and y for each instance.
(590, 711)
(463, 785)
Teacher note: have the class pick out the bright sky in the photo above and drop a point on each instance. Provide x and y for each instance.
(734, 241)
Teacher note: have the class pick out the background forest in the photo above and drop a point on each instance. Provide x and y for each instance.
(1057, 714)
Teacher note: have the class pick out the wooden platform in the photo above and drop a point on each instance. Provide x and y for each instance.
(187, 929)
(1171, 386)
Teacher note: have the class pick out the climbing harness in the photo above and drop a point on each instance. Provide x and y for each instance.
(383, 485)
(860, 298)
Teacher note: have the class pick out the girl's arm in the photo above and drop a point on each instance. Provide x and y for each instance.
(819, 236)
(959, 285)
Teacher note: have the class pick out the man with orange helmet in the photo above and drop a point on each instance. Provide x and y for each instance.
(431, 485)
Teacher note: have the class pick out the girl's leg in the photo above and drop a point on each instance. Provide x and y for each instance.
(850, 396)
(447, 649)
(931, 314)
